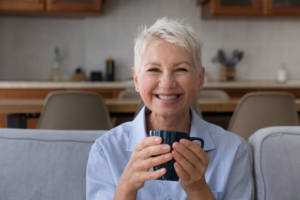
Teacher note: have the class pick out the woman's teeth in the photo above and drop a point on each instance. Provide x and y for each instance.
(167, 97)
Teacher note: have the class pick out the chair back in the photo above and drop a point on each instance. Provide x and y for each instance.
(74, 111)
(262, 109)
(129, 94)
(213, 94)
(276, 163)
(222, 119)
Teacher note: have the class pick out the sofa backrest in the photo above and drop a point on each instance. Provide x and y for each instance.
(276, 152)
(44, 164)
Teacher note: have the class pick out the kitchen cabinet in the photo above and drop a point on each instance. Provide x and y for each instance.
(246, 8)
(231, 8)
(52, 6)
(282, 7)
(22, 5)
(88, 6)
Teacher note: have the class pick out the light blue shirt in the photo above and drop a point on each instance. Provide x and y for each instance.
(228, 173)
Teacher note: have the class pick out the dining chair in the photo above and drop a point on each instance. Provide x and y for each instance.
(128, 94)
(74, 110)
(220, 119)
(213, 94)
(262, 109)
(276, 162)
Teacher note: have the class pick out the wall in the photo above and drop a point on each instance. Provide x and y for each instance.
(27, 43)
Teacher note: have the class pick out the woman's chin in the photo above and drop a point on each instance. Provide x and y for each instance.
(169, 114)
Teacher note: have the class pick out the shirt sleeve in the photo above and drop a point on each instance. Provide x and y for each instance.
(240, 184)
(99, 180)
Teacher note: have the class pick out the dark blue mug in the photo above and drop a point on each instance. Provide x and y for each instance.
(169, 137)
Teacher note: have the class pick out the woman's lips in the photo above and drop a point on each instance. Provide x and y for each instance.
(167, 97)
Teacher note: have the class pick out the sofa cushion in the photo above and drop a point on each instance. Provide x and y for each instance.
(276, 162)
(44, 164)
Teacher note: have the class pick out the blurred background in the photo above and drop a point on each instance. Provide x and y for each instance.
(87, 45)
(86, 39)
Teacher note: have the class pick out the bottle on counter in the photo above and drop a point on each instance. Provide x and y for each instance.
(110, 69)
(56, 66)
(282, 74)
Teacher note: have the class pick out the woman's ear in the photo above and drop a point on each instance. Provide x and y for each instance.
(201, 80)
(135, 78)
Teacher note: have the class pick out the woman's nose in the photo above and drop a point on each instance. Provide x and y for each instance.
(167, 81)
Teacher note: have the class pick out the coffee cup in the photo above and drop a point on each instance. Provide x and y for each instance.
(169, 137)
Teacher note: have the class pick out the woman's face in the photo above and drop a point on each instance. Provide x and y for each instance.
(168, 79)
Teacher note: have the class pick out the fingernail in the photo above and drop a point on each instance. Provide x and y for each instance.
(168, 155)
(165, 147)
(162, 170)
(182, 141)
(156, 139)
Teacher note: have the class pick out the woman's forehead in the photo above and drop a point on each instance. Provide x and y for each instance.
(161, 50)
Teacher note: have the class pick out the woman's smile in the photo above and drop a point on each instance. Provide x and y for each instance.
(168, 98)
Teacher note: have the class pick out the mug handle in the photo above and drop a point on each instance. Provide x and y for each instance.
(200, 139)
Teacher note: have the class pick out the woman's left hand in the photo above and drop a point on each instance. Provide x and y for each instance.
(191, 163)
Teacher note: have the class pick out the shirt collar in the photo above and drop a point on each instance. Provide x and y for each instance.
(199, 128)
(138, 130)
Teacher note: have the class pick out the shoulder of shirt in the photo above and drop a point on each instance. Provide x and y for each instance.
(218, 133)
(120, 131)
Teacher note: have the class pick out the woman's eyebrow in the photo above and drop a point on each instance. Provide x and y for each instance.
(182, 62)
(152, 63)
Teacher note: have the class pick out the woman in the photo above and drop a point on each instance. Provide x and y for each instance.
(168, 74)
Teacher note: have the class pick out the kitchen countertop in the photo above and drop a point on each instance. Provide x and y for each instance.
(130, 84)
(49, 84)
(252, 84)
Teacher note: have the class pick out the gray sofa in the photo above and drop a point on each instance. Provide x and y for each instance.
(51, 165)
(44, 164)
(276, 167)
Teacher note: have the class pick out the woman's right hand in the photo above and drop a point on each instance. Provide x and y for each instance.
(137, 169)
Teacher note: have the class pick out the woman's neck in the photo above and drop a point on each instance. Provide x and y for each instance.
(178, 123)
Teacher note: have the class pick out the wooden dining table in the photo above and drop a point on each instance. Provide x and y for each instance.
(12, 106)
(115, 106)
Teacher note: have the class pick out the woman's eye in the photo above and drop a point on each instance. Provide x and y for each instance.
(153, 70)
(182, 70)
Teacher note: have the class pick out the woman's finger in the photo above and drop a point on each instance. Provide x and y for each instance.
(186, 153)
(148, 141)
(196, 149)
(154, 150)
(152, 175)
(181, 172)
(145, 165)
(185, 164)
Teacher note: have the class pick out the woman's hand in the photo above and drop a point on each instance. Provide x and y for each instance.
(137, 170)
(191, 163)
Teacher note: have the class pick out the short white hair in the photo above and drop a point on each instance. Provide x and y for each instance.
(172, 31)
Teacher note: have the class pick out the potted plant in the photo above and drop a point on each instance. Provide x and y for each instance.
(227, 70)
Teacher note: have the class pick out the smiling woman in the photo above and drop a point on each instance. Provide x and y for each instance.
(168, 81)
(168, 74)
